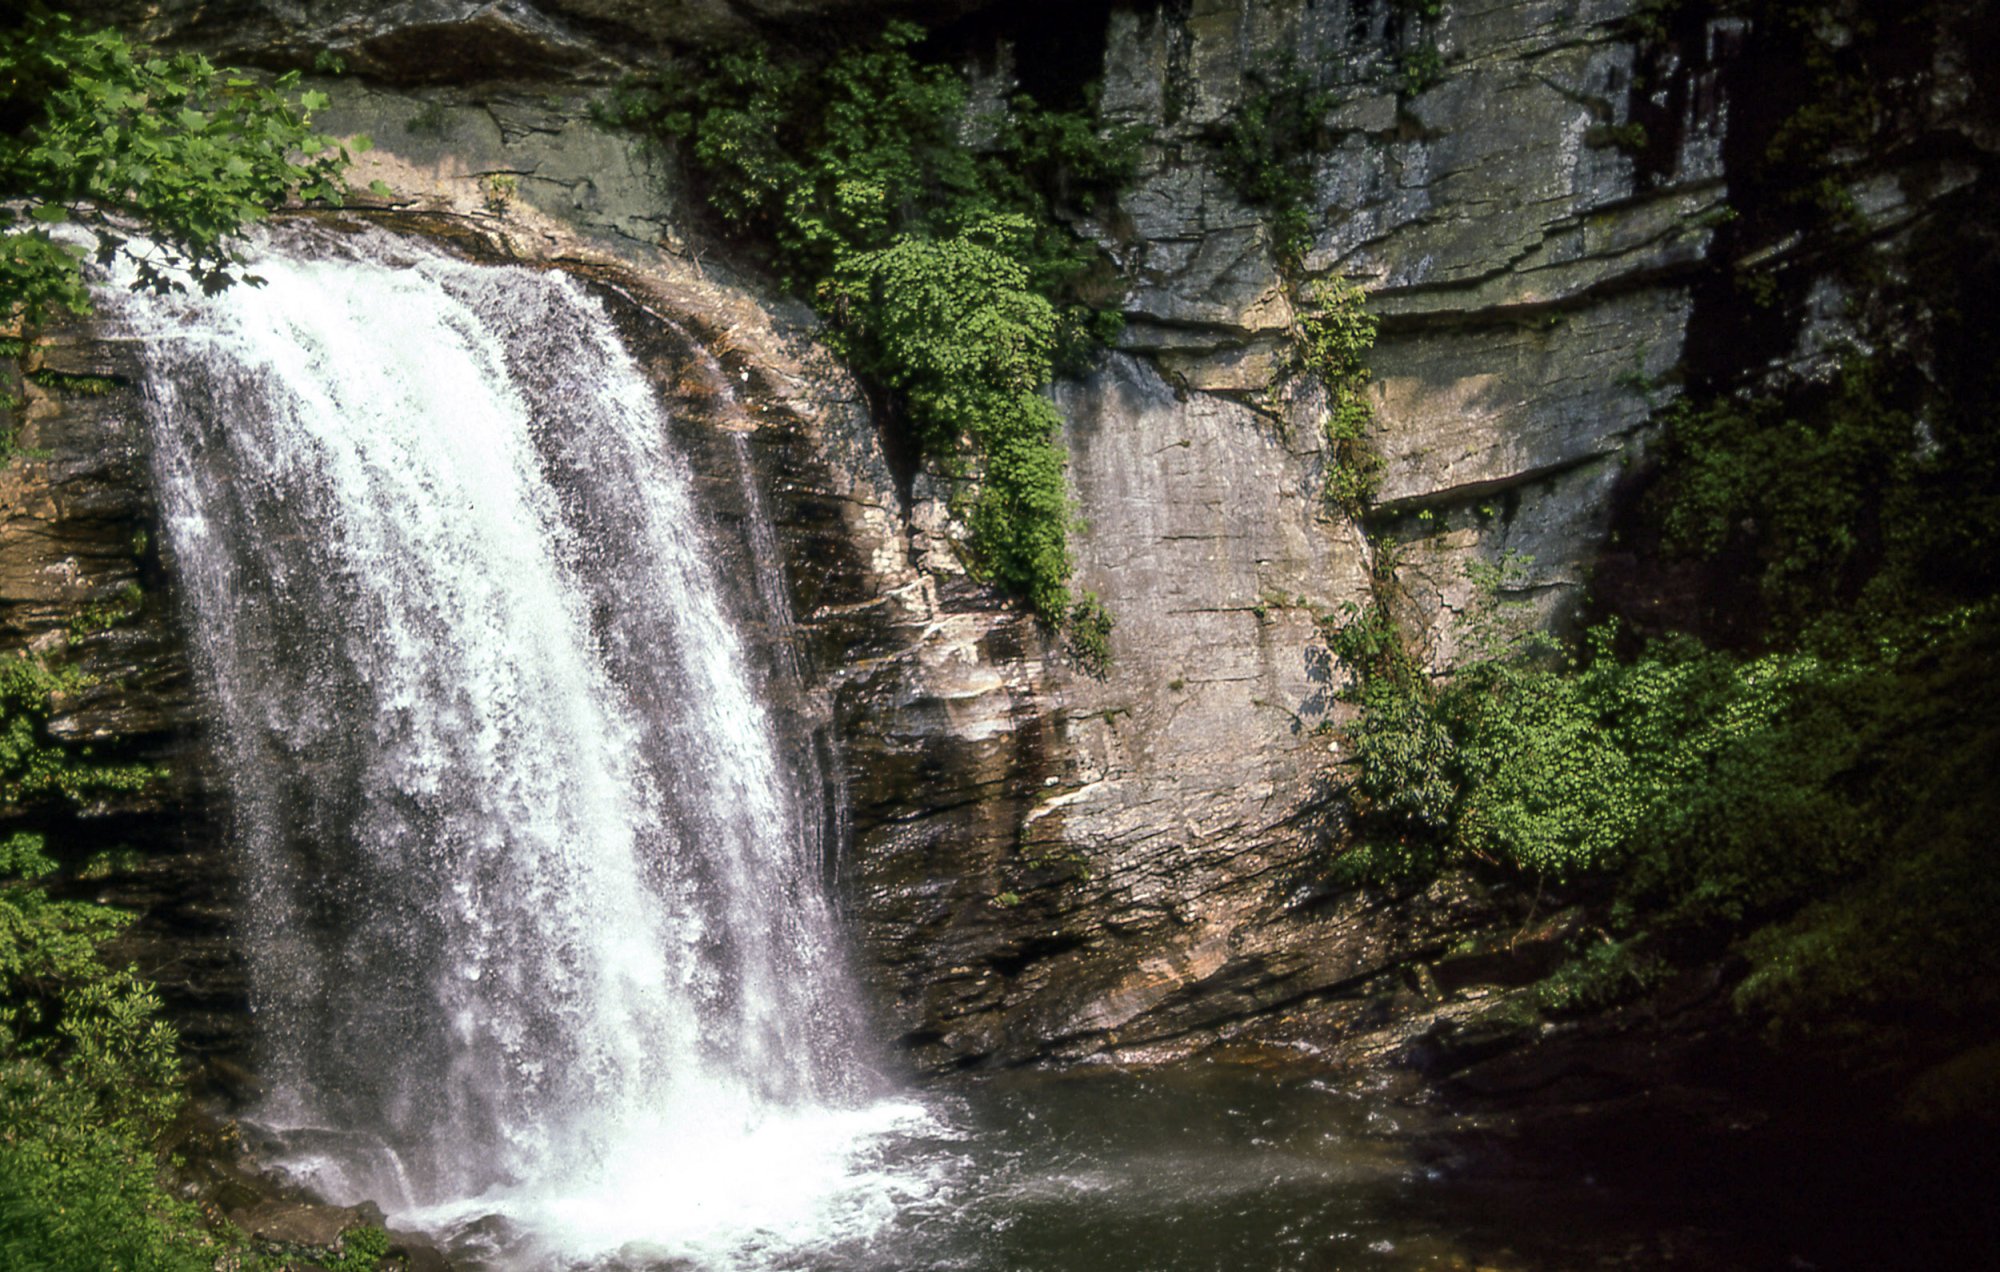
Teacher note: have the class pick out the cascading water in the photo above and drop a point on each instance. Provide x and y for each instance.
(533, 902)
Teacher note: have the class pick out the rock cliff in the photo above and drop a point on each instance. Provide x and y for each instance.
(1042, 864)
(84, 582)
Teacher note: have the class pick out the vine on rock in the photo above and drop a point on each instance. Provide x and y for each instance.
(1331, 338)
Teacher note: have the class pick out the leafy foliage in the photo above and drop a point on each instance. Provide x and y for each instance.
(955, 328)
(1331, 338)
(361, 1250)
(1420, 63)
(1090, 627)
(1841, 106)
(100, 616)
(88, 1079)
(1420, 68)
(103, 135)
(1841, 501)
(33, 765)
(1546, 767)
(89, 1075)
(946, 270)
(1408, 788)
(1266, 147)
(1830, 812)
(1607, 972)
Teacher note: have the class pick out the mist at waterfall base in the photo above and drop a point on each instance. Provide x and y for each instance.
(534, 893)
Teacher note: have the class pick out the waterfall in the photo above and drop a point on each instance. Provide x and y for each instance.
(533, 897)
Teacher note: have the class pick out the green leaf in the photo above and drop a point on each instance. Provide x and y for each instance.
(164, 142)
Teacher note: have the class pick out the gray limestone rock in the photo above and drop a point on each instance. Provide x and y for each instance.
(1462, 413)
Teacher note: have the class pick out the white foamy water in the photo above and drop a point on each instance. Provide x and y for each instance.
(533, 900)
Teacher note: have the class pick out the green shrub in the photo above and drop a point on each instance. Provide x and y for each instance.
(1874, 811)
(1420, 68)
(1545, 786)
(1814, 800)
(97, 132)
(1852, 511)
(1090, 627)
(361, 1250)
(1797, 490)
(104, 135)
(89, 1075)
(88, 1079)
(1553, 768)
(100, 616)
(34, 766)
(1606, 973)
(946, 271)
(1832, 817)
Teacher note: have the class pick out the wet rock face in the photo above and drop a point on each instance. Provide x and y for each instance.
(83, 583)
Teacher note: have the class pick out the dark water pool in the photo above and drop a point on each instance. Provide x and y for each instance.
(1210, 1167)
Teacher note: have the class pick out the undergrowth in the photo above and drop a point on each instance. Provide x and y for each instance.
(89, 1073)
(1843, 503)
(33, 765)
(1821, 801)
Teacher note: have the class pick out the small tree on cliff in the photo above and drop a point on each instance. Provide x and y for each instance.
(120, 141)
